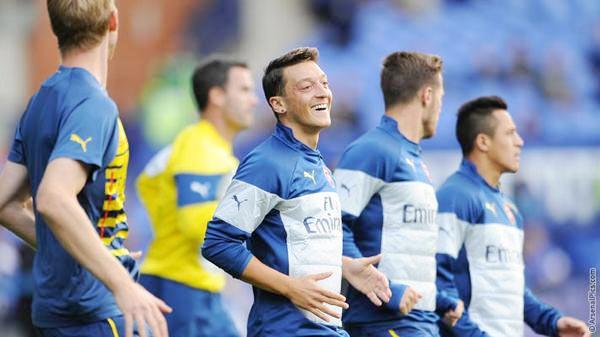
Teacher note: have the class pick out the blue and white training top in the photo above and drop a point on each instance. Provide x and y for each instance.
(282, 203)
(480, 260)
(389, 207)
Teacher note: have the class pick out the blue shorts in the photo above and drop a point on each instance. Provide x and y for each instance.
(111, 327)
(196, 313)
(393, 330)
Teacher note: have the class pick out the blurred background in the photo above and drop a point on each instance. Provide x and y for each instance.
(542, 56)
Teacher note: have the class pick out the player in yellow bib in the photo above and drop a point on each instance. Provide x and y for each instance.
(180, 188)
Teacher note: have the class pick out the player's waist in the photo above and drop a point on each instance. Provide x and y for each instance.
(362, 311)
(276, 315)
(189, 273)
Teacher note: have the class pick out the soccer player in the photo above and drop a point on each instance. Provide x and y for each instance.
(282, 203)
(389, 204)
(181, 187)
(480, 257)
(70, 152)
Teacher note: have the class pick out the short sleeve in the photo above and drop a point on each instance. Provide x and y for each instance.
(16, 153)
(89, 133)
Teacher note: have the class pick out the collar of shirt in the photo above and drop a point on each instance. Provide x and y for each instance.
(286, 135)
(208, 129)
(390, 126)
(468, 168)
(91, 79)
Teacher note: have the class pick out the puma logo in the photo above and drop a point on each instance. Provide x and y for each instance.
(75, 138)
(200, 188)
(238, 202)
(347, 188)
(491, 207)
(310, 176)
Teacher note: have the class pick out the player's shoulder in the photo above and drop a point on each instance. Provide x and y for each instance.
(273, 157)
(197, 150)
(459, 193)
(82, 94)
(371, 153)
(270, 166)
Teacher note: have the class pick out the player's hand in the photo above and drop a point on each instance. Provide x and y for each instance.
(409, 299)
(307, 294)
(362, 275)
(453, 315)
(136, 255)
(572, 327)
(141, 307)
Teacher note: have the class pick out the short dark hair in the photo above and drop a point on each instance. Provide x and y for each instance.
(404, 73)
(475, 117)
(273, 81)
(213, 72)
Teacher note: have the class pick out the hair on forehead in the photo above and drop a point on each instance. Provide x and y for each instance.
(273, 80)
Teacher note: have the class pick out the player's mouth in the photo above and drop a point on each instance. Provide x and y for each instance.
(323, 107)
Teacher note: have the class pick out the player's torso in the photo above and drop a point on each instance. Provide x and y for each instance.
(64, 290)
(494, 251)
(195, 169)
(400, 217)
(284, 196)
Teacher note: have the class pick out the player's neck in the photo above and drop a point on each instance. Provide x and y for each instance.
(409, 119)
(486, 169)
(308, 136)
(94, 60)
(215, 118)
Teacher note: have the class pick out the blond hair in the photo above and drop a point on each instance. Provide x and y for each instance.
(405, 73)
(79, 24)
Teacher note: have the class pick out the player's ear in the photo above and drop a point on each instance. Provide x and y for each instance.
(278, 105)
(216, 96)
(113, 22)
(482, 142)
(426, 95)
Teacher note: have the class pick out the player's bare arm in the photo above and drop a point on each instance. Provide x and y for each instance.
(56, 201)
(16, 213)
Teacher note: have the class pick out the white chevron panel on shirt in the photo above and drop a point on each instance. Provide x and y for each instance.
(355, 188)
(495, 255)
(313, 226)
(451, 233)
(245, 205)
(409, 237)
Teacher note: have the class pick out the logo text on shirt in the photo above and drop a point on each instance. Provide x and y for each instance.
(330, 223)
(499, 254)
(413, 214)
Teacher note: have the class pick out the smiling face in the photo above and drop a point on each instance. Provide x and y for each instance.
(504, 149)
(306, 103)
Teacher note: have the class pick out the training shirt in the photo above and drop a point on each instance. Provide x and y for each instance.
(480, 260)
(180, 188)
(71, 116)
(282, 203)
(389, 207)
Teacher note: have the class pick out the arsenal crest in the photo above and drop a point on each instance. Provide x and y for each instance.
(328, 176)
(509, 213)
